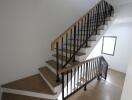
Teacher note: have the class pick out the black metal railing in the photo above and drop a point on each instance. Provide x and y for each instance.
(78, 76)
(76, 37)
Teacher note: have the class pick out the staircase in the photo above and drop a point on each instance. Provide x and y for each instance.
(68, 71)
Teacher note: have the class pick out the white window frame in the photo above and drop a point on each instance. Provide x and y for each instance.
(109, 45)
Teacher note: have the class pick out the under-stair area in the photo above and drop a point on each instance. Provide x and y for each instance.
(69, 71)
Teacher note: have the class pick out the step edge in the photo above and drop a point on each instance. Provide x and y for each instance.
(54, 89)
(51, 68)
(29, 93)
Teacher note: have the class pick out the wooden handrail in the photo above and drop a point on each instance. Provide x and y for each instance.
(66, 31)
(75, 66)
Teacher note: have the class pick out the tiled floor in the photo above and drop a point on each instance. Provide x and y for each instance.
(110, 89)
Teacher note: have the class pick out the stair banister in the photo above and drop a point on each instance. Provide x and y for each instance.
(84, 73)
(65, 32)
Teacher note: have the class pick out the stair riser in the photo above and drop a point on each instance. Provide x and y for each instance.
(54, 89)
(60, 61)
(47, 83)
(77, 57)
(27, 93)
(51, 68)
(54, 70)
(94, 37)
(90, 43)
(79, 36)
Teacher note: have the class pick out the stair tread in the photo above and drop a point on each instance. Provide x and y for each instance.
(91, 29)
(53, 64)
(49, 75)
(68, 51)
(33, 83)
(60, 57)
(10, 96)
(82, 40)
(82, 47)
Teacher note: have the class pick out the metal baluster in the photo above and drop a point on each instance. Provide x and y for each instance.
(74, 78)
(85, 30)
(86, 77)
(104, 12)
(81, 32)
(74, 49)
(84, 72)
(87, 34)
(93, 22)
(77, 76)
(97, 19)
(63, 92)
(71, 80)
(78, 36)
(66, 46)
(101, 13)
(93, 68)
(57, 60)
(90, 71)
(67, 83)
(81, 72)
(96, 66)
(90, 24)
(70, 42)
(62, 52)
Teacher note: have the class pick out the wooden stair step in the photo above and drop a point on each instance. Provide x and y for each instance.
(10, 96)
(64, 57)
(84, 34)
(80, 40)
(100, 19)
(60, 57)
(49, 76)
(68, 51)
(33, 83)
(72, 45)
(53, 64)
(91, 29)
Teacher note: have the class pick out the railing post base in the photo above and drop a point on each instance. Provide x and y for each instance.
(85, 88)
(58, 79)
(98, 77)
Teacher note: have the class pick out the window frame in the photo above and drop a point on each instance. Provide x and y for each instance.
(115, 37)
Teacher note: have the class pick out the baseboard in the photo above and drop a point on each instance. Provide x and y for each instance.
(110, 68)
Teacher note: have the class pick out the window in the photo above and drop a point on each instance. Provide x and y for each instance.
(108, 46)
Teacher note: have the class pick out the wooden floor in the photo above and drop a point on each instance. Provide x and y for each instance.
(110, 89)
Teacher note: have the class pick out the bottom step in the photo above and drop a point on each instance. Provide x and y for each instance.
(33, 86)
(9, 96)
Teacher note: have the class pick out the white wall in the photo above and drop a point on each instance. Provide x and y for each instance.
(27, 28)
(119, 2)
(122, 28)
(127, 89)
